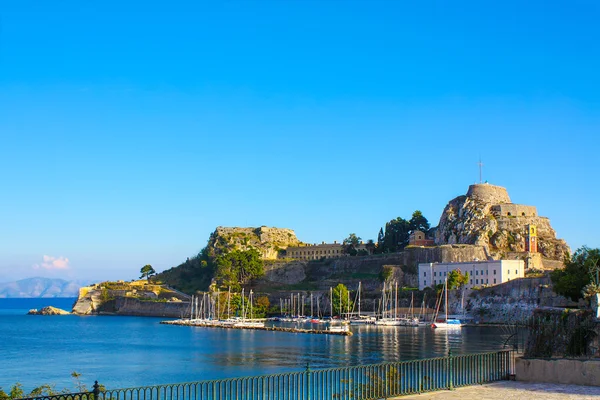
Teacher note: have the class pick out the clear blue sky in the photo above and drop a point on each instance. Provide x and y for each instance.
(129, 132)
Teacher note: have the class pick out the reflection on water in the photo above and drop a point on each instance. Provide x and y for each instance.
(130, 351)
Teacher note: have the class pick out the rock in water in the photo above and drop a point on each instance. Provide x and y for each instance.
(48, 311)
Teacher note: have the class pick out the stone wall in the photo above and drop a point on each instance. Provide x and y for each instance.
(489, 193)
(513, 210)
(569, 372)
(136, 307)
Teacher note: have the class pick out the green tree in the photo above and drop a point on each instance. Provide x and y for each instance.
(147, 271)
(396, 235)
(418, 222)
(238, 267)
(261, 306)
(456, 279)
(380, 240)
(341, 291)
(16, 391)
(350, 244)
(578, 272)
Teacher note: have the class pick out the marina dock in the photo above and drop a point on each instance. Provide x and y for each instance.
(187, 322)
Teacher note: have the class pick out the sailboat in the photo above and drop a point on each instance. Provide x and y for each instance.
(447, 323)
(410, 320)
(248, 312)
(386, 301)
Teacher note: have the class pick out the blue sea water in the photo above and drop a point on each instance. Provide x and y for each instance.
(123, 351)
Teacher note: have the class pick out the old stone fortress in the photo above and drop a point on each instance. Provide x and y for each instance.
(511, 238)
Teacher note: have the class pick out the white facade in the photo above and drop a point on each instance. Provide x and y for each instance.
(481, 273)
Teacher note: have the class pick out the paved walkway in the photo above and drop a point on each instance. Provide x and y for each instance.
(510, 390)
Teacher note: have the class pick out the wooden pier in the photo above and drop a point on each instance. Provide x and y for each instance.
(258, 328)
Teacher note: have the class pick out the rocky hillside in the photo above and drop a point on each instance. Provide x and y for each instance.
(268, 241)
(485, 216)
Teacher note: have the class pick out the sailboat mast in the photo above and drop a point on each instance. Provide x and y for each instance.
(243, 309)
(331, 300)
(192, 308)
(348, 307)
(358, 299)
(229, 303)
(396, 302)
(446, 298)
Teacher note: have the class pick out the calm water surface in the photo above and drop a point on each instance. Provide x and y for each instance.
(137, 351)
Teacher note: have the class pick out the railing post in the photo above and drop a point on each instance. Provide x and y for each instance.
(308, 380)
(449, 368)
(96, 391)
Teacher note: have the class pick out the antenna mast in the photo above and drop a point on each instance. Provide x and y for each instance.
(480, 170)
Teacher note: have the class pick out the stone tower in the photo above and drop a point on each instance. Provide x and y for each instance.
(531, 239)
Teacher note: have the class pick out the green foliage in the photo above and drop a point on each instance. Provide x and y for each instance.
(386, 273)
(261, 307)
(534, 273)
(147, 271)
(418, 222)
(104, 295)
(590, 290)
(456, 279)
(350, 244)
(194, 274)
(396, 236)
(578, 272)
(340, 292)
(17, 392)
(238, 267)
(380, 240)
(510, 238)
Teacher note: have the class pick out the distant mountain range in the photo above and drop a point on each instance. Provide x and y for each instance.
(40, 287)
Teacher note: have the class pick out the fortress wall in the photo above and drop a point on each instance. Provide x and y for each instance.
(131, 306)
(514, 210)
(489, 193)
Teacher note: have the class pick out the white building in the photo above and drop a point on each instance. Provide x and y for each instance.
(481, 273)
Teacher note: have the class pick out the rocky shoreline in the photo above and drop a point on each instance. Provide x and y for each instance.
(49, 310)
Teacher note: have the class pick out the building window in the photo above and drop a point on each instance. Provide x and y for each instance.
(476, 281)
(494, 272)
(487, 280)
(508, 271)
(486, 272)
(434, 273)
(471, 281)
(425, 273)
(425, 282)
(494, 280)
(445, 273)
(476, 272)
(516, 272)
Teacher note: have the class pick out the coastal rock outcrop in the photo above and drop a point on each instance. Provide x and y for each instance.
(268, 241)
(49, 310)
(486, 217)
(130, 298)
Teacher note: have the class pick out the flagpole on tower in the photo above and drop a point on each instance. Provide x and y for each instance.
(480, 170)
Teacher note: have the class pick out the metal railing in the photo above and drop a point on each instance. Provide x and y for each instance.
(375, 381)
